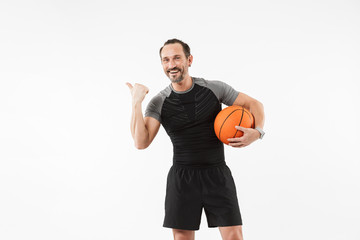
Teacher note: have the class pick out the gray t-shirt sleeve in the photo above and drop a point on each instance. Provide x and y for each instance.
(224, 92)
(153, 108)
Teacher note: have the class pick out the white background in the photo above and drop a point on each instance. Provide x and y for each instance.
(68, 165)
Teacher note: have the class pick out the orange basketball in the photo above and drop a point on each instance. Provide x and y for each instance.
(228, 118)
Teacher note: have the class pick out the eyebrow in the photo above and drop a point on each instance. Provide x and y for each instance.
(177, 55)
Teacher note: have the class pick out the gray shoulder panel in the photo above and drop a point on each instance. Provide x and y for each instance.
(224, 92)
(154, 107)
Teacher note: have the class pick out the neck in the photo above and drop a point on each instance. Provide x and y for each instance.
(184, 85)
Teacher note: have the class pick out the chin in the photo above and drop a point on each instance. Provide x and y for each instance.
(176, 80)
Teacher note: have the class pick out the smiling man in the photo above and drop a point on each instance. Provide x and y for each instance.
(199, 178)
(174, 62)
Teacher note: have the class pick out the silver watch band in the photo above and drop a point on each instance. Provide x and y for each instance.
(262, 133)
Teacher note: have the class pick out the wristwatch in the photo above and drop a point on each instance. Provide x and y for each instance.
(262, 133)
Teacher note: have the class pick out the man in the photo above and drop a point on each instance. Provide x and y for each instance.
(199, 177)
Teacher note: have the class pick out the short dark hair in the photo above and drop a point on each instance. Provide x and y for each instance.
(186, 47)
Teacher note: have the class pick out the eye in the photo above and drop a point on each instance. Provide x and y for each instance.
(165, 60)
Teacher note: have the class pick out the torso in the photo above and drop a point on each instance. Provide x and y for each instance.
(188, 118)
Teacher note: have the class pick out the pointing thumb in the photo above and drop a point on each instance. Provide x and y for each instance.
(129, 85)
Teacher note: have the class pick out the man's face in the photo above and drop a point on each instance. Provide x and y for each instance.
(174, 62)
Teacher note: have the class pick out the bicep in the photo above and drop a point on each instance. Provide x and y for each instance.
(244, 100)
(152, 126)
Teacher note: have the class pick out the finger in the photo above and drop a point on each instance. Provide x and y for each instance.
(129, 85)
(241, 128)
(142, 87)
(236, 145)
(240, 139)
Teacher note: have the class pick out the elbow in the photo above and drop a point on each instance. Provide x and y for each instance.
(141, 146)
(256, 104)
(261, 105)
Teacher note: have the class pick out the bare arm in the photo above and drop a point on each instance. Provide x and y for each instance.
(143, 130)
(257, 109)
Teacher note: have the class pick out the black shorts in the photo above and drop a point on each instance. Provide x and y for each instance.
(191, 189)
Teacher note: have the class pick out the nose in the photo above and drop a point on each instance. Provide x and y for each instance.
(172, 64)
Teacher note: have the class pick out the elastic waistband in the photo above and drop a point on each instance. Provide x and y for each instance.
(199, 166)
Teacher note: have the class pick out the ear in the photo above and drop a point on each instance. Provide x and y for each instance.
(190, 60)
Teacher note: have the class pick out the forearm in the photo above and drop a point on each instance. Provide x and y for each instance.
(257, 109)
(138, 128)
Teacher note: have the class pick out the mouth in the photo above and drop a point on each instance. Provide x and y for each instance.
(173, 72)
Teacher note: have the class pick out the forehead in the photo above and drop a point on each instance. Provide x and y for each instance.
(172, 50)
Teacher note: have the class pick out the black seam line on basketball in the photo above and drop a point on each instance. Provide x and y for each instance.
(225, 121)
(242, 115)
(250, 116)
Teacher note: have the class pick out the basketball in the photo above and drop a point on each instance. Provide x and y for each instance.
(228, 118)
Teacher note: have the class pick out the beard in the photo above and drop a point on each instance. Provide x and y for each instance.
(177, 79)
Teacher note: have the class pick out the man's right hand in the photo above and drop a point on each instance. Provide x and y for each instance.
(138, 92)
(143, 130)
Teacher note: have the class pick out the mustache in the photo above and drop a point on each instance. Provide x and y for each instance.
(175, 68)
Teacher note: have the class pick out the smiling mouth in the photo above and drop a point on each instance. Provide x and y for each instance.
(174, 71)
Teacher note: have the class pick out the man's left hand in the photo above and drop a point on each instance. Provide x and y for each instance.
(250, 135)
